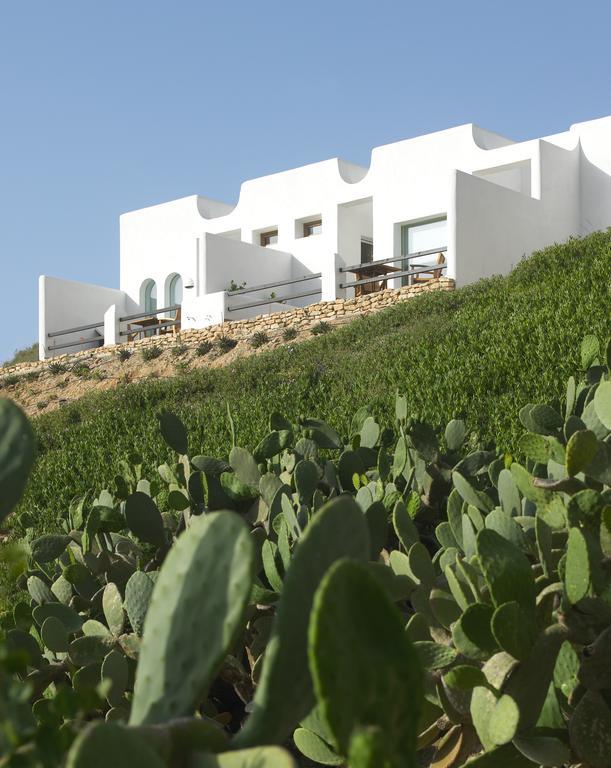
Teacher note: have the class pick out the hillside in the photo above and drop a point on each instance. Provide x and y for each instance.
(478, 353)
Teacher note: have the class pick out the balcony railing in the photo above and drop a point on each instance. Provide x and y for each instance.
(80, 342)
(416, 270)
(142, 321)
(271, 286)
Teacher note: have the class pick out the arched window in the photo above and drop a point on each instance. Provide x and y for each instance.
(148, 295)
(174, 292)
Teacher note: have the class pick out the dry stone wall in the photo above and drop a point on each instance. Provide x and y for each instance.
(300, 319)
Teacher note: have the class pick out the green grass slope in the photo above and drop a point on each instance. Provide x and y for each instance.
(478, 353)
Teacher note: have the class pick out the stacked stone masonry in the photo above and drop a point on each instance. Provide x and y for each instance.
(301, 318)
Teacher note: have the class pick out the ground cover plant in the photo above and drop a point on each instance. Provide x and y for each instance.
(477, 353)
(398, 597)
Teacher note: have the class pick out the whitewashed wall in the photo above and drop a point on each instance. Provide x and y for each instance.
(502, 199)
(64, 304)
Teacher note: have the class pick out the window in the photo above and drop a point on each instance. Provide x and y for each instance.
(148, 295)
(312, 228)
(422, 236)
(174, 293)
(269, 238)
(366, 250)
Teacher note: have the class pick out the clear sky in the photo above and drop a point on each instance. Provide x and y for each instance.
(111, 105)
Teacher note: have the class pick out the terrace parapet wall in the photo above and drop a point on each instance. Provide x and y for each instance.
(301, 318)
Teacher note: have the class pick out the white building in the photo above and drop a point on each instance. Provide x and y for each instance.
(480, 199)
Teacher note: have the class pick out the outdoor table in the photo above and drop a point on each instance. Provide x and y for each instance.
(372, 270)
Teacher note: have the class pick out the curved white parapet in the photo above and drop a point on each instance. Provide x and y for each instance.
(501, 199)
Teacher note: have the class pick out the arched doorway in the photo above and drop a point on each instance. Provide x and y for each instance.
(174, 293)
(148, 295)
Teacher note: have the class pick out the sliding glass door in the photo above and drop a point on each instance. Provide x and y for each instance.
(422, 236)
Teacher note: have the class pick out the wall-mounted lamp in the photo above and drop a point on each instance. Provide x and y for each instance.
(189, 283)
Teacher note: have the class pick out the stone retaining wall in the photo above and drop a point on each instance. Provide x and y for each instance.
(301, 318)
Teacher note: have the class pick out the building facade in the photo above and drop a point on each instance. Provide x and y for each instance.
(464, 202)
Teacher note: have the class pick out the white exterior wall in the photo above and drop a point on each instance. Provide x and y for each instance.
(64, 304)
(502, 199)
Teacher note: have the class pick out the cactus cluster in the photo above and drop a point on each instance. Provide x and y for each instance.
(384, 599)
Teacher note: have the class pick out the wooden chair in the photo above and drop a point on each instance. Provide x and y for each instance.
(433, 274)
(173, 329)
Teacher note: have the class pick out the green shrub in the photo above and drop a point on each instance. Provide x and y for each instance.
(320, 328)
(82, 370)
(56, 367)
(288, 334)
(150, 353)
(203, 348)
(259, 339)
(31, 375)
(225, 344)
(390, 581)
(179, 349)
(10, 380)
(123, 354)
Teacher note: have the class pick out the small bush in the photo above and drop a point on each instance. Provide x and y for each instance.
(225, 344)
(258, 339)
(320, 328)
(289, 334)
(150, 353)
(203, 348)
(182, 367)
(41, 404)
(179, 349)
(123, 354)
(81, 370)
(10, 380)
(56, 367)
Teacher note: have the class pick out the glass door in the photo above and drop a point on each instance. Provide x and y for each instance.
(422, 236)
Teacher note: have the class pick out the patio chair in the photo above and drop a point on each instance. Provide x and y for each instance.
(173, 329)
(433, 274)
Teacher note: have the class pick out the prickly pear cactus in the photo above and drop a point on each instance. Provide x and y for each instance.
(196, 611)
(354, 626)
(16, 454)
(103, 744)
(285, 694)
(258, 757)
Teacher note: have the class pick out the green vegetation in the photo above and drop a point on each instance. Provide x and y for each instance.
(320, 328)
(225, 344)
(123, 354)
(478, 353)
(56, 367)
(26, 355)
(259, 339)
(203, 348)
(394, 598)
(150, 353)
(179, 349)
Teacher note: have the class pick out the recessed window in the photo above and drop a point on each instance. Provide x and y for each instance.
(269, 238)
(366, 250)
(312, 228)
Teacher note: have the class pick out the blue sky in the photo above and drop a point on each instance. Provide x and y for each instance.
(110, 106)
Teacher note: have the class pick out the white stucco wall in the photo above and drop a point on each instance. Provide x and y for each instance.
(502, 199)
(64, 304)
